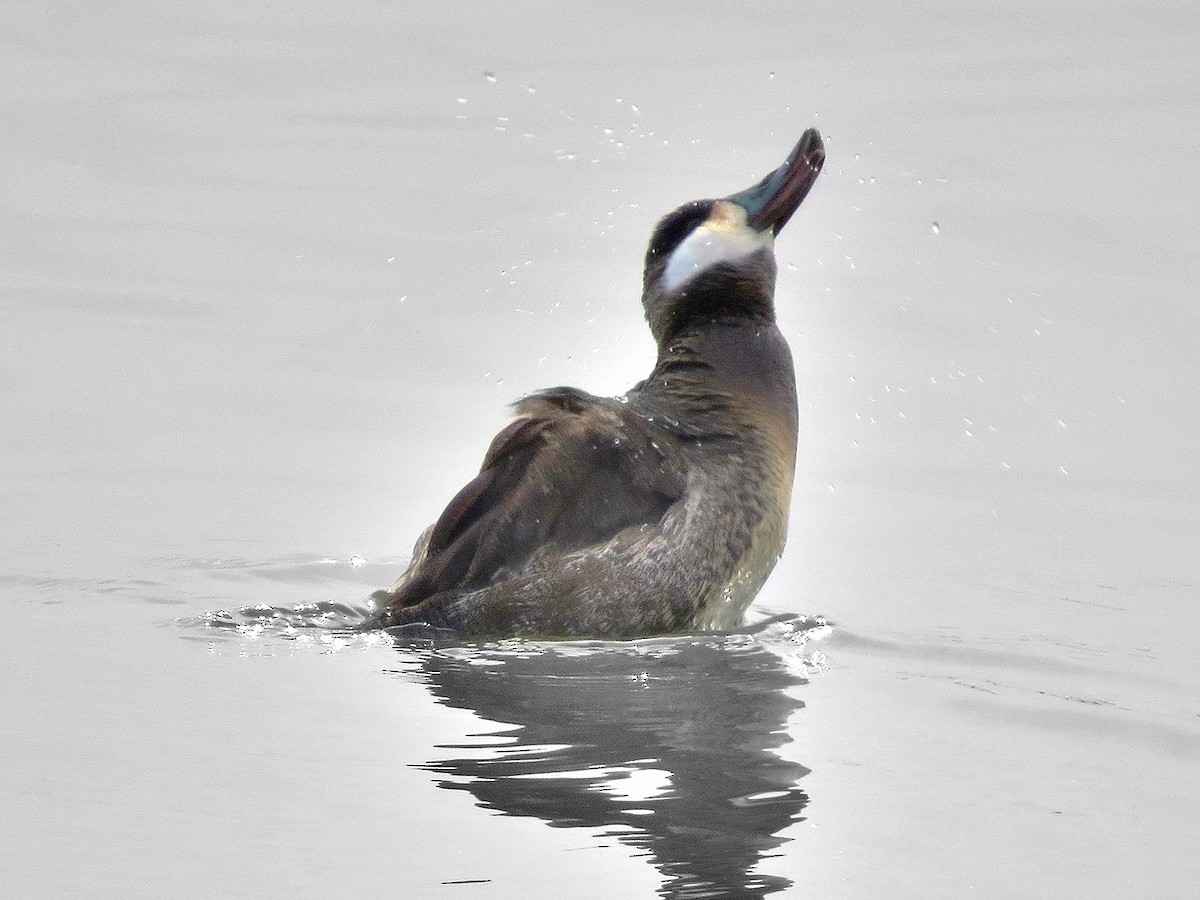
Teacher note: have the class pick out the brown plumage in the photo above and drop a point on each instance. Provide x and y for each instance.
(663, 510)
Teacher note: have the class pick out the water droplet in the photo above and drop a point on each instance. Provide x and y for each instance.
(462, 99)
(937, 228)
(490, 76)
(770, 76)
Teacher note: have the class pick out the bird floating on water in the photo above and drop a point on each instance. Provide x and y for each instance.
(660, 511)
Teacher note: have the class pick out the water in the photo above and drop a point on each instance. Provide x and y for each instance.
(233, 358)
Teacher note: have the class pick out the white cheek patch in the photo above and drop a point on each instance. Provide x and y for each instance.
(712, 243)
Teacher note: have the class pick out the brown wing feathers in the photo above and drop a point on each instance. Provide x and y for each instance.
(572, 471)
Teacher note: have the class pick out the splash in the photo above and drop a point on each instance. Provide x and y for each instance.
(326, 624)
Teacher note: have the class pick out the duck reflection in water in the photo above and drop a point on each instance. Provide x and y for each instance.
(668, 745)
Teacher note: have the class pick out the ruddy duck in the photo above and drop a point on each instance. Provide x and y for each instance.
(660, 511)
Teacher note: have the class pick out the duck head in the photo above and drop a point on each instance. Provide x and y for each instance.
(715, 259)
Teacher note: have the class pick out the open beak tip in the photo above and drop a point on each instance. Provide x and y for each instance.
(772, 202)
(812, 149)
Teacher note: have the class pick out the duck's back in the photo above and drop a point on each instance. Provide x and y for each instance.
(573, 478)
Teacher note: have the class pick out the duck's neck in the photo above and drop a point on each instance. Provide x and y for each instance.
(727, 374)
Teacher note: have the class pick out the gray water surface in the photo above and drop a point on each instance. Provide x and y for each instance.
(270, 274)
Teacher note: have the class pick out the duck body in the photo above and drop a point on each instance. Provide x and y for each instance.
(660, 511)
